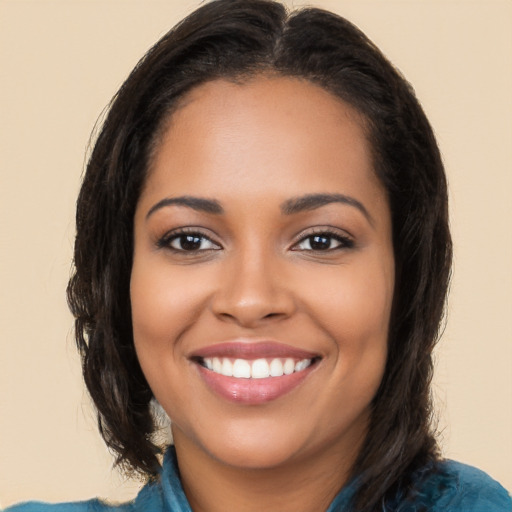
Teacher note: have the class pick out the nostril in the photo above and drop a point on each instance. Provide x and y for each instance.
(273, 315)
(250, 316)
(251, 301)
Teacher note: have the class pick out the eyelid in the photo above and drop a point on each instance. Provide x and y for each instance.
(346, 240)
(164, 241)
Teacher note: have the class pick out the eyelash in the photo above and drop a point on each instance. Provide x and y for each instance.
(166, 241)
(345, 242)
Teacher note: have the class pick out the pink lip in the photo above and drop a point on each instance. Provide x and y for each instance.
(252, 391)
(250, 350)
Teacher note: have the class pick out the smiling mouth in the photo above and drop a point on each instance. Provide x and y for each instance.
(261, 368)
(253, 372)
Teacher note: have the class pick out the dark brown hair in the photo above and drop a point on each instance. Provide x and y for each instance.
(237, 39)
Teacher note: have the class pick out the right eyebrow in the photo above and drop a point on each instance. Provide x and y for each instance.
(314, 201)
(200, 204)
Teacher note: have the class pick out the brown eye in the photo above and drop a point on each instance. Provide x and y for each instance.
(188, 242)
(320, 243)
(323, 242)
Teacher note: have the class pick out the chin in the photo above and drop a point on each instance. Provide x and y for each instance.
(268, 443)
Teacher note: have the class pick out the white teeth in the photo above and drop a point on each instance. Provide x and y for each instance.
(260, 369)
(302, 365)
(217, 365)
(257, 369)
(227, 368)
(289, 366)
(241, 369)
(276, 368)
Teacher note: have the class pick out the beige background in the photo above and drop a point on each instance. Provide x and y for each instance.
(61, 61)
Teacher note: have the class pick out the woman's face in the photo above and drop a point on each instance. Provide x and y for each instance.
(263, 274)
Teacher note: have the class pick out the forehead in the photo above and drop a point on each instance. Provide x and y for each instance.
(265, 135)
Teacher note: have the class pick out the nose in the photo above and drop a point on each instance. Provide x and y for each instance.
(253, 291)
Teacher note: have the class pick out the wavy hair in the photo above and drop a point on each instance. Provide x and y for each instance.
(238, 39)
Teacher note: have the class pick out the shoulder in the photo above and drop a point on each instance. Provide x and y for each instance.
(457, 487)
(149, 498)
(94, 505)
(163, 493)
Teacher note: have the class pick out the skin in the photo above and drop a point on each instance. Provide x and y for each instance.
(252, 147)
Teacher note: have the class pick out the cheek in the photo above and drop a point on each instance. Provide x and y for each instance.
(352, 305)
(163, 304)
(353, 302)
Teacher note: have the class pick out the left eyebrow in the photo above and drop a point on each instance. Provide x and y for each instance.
(200, 204)
(314, 201)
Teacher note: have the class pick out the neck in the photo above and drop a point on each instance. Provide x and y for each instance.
(308, 484)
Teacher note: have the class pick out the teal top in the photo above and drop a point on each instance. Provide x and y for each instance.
(454, 487)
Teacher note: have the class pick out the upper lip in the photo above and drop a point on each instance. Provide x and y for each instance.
(250, 349)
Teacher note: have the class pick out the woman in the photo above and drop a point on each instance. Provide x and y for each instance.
(263, 247)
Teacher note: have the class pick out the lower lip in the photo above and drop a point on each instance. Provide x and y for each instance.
(252, 391)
